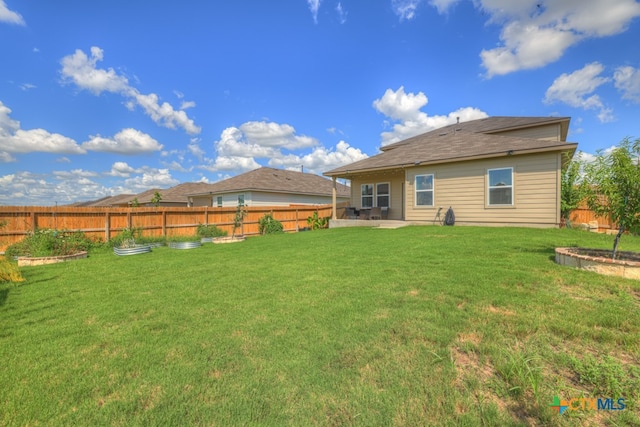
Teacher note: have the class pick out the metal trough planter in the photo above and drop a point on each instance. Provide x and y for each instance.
(184, 245)
(137, 249)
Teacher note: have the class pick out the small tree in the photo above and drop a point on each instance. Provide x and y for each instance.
(238, 219)
(156, 199)
(571, 192)
(612, 186)
(135, 203)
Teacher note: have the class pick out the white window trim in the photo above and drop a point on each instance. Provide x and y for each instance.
(244, 200)
(433, 190)
(373, 194)
(388, 194)
(512, 186)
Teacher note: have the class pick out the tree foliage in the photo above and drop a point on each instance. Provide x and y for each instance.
(269, 225)
(572, 192)
(156, 199)
(612, 186)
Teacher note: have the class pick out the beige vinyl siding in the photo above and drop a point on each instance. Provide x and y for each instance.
(395, 180)
(464, 187)
(550, 132)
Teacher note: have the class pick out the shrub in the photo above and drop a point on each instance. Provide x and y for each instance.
(47, 242)
(9, 271)
(126, 238)
(316, 222)
(269, 225)
(210, 231)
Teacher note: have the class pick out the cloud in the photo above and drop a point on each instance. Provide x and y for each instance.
(127, 141)
(576, 90)
(27, 188)
(314, 5)
(240, 148)
(321, 159)
(10, 16)
(151, 178)
(6, 157)
(627, 80)
(121, 169)
(405, 9)
(406, 110)
(538, 32)
(164, 114)
(82, 71)
(526, 46)
(13, 139)
(275, 135)
(27, 86)
(342, 14)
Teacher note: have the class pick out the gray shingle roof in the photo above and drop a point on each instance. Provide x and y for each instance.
(458, 142)
(276, 180)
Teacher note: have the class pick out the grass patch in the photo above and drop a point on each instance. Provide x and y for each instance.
(413, 326)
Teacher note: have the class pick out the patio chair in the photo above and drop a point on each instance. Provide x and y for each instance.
(350, 213)
(375, 213)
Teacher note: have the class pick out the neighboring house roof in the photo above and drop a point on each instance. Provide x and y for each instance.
(276, 181)
(106, 201)
(178, 194)
(459, 142)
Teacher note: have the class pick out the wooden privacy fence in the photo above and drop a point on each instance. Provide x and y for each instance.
(105, 223)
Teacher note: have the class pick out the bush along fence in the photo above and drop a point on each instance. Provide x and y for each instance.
(106, 223)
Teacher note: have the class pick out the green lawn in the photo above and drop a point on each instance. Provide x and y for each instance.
(356, 326)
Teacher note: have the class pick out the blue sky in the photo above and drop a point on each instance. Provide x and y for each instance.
(107, 97)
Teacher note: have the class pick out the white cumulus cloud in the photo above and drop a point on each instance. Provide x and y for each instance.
(9, 16)
(538, 32)
(82, 71)
(405, 110)
(13, 139)
(321, 159)
(577, 90)
(627, 80)
(127, 141)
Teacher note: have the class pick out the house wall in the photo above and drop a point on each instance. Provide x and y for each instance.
(396, 179)
(259, 198)
(285, 199)
(463, 186)
(552, 132)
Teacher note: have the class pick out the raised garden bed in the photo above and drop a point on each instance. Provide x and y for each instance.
(184, 245)
(235, 239)
(134, 250)
(627, 264)
(27, 261)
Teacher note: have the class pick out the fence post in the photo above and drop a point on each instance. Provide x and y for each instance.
(107, 226)
(164, 223)
(34, 226)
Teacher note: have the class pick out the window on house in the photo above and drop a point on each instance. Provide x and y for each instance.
(219, 201)
(424, 190)
(500, 186)
(382, 194)
(240, 199)
(366, 195)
